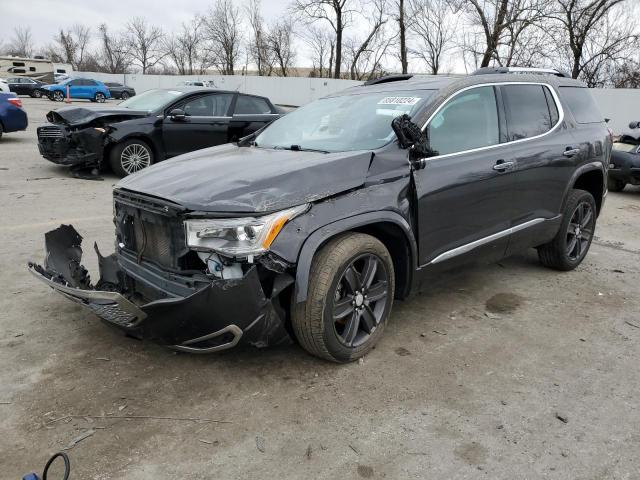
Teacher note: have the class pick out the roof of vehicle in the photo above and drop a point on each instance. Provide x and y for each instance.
(193, 89)
(438, 82)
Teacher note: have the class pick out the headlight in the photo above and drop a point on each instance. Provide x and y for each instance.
(238, 237)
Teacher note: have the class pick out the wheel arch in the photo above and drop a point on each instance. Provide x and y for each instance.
(591, 178)
(387, 226)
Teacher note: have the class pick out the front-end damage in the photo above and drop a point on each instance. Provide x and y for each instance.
(207, 315)
(78, 137)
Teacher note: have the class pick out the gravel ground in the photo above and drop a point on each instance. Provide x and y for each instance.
(506, 371)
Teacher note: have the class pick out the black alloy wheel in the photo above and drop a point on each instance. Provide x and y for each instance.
(580, 231)
(360, 299)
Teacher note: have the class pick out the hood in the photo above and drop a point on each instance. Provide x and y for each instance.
(76, 116)
(249, 179)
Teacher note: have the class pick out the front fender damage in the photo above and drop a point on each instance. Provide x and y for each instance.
(218, 314)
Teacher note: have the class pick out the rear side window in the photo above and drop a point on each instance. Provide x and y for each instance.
(251, 106)
(530, 110)
(468, 121)
(582, 104)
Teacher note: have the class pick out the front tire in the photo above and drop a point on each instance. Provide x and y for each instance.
(130, 157)
(58, 96)
(615, 185)
(99, 97)
(571, 244)
(351, 287)
(36, 94)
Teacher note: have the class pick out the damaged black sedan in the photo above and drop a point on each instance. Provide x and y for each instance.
(150, 127)
(309, 229)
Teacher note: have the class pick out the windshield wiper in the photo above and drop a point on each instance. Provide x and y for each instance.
(298, 148)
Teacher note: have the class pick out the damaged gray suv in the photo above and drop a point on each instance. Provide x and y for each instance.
(309, 229)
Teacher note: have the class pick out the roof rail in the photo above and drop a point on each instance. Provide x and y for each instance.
(540, 71)
(388, 78)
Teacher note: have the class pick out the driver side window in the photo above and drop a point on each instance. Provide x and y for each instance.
(466, 122)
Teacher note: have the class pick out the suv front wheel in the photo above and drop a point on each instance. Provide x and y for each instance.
(351, 287)
(571, 244)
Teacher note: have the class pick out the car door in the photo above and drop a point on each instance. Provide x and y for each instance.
(76, 88)
(250, 113)
(205, 123)
(539, 141)
(15, 85)
(464, 192)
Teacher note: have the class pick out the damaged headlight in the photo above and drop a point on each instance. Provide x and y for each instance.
(238, 237)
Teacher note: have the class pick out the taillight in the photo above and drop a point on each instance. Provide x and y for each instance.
(15, 101)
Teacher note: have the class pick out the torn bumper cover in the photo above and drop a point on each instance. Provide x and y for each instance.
(218, 315)
(81, 148)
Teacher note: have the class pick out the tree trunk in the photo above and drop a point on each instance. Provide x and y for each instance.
(403, 39)
(338, 45)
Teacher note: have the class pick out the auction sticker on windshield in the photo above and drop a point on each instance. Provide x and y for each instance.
(399, 101)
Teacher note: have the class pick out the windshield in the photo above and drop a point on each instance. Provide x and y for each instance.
(337, 124)
(151, 100)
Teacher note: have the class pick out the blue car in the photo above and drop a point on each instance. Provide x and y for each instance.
(12, 117)
(78, 88)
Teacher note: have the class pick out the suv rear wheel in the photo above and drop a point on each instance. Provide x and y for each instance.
(351, 287)
(571, 244)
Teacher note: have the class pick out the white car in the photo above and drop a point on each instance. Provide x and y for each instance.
(4, 86)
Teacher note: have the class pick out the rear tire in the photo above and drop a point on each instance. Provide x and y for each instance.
(124, 96)
(1, 130)
(571, 244)
(130, 156)
(349, 299)
(615, 185)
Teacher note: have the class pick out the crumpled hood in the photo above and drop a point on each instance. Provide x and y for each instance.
(229, 178)
(75, 116)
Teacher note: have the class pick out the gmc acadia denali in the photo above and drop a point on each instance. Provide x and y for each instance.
(309, 228)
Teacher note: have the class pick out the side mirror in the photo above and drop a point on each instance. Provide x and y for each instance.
(411, 136)
(177, 114)
(633, 125)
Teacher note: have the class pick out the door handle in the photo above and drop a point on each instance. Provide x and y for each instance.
(570, 152)
(502, 166)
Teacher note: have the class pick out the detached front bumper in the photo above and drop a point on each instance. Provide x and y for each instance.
(218, 315)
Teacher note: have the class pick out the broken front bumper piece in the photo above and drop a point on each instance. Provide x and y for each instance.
(218, 315)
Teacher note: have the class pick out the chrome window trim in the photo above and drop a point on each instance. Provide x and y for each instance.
(485, 240)
(556, 99)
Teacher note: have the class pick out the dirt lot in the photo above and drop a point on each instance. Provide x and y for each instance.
(468, 381)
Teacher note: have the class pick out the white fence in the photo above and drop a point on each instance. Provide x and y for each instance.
(620, 105)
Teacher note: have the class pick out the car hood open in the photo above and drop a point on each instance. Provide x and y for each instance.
(231, 179)
(77, 116)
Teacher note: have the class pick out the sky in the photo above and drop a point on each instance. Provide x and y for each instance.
(45, 17)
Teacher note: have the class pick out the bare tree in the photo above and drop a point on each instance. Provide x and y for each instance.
(433, 29)
(145, 43)
(596, 31)
(258, 50)
(71, 46)
(337, 13)
(186, 49)
(321, 45)
(280, 43)
(114, 53)
(21, 44)
(224, 33)
(401, 17)
(377, 18)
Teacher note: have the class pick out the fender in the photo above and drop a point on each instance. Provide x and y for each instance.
(587, 167)
(321, 235)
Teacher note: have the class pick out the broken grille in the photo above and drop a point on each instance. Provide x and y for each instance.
(49, 132)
